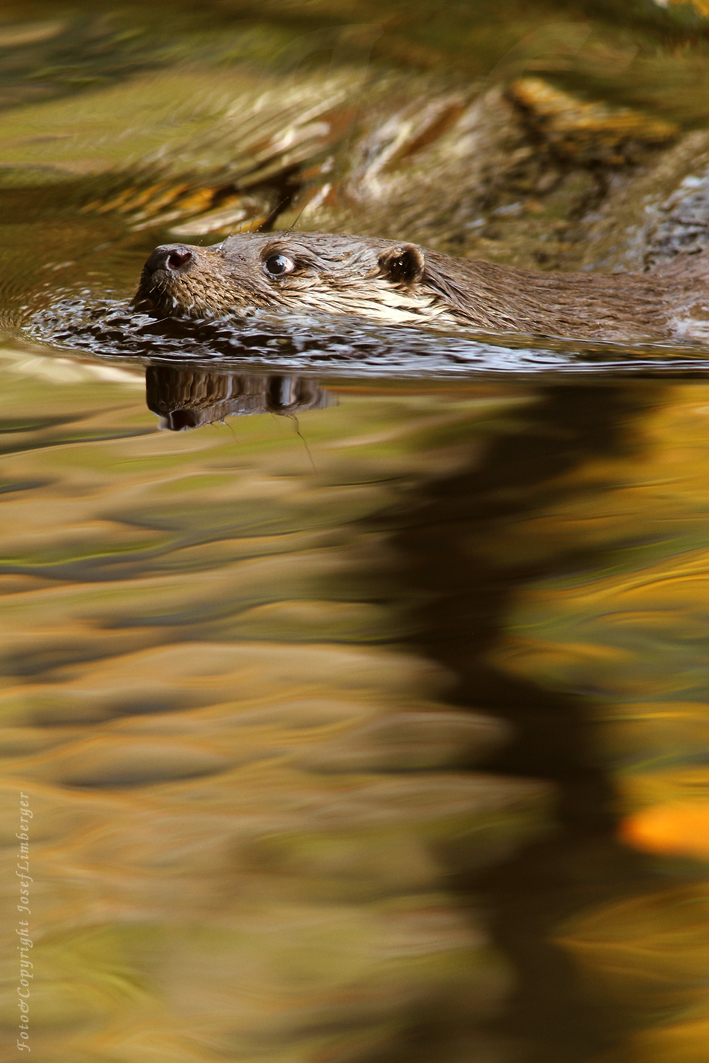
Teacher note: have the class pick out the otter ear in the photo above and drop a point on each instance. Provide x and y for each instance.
(402, 264)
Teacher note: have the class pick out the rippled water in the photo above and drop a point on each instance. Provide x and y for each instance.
(312, 345)
(365, 720)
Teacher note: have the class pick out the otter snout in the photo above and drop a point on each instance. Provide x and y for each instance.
(169, 257)
(162, 287)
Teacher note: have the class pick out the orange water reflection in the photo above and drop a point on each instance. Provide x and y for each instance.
(630, 634)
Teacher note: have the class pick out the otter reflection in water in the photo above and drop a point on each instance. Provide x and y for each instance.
(399, 283)
(188, 398)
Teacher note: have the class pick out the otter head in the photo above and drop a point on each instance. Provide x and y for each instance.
(284, 272)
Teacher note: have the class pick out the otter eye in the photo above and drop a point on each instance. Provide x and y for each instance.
(277, 265)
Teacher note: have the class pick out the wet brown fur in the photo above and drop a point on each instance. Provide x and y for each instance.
(403, 283)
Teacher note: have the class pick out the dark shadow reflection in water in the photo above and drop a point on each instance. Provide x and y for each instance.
(188, 398)
(445, 543)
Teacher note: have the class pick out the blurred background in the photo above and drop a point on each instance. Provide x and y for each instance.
(369, 725)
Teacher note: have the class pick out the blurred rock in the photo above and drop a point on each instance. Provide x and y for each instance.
(591, 133)
(650, 216)
(464, 166)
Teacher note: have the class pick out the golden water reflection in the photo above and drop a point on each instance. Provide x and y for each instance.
(250, 798)
(344, 735)
(629, 634)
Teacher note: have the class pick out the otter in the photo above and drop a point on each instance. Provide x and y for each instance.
(401, 283)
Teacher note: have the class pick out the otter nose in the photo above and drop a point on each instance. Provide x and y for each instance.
(169, 256)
